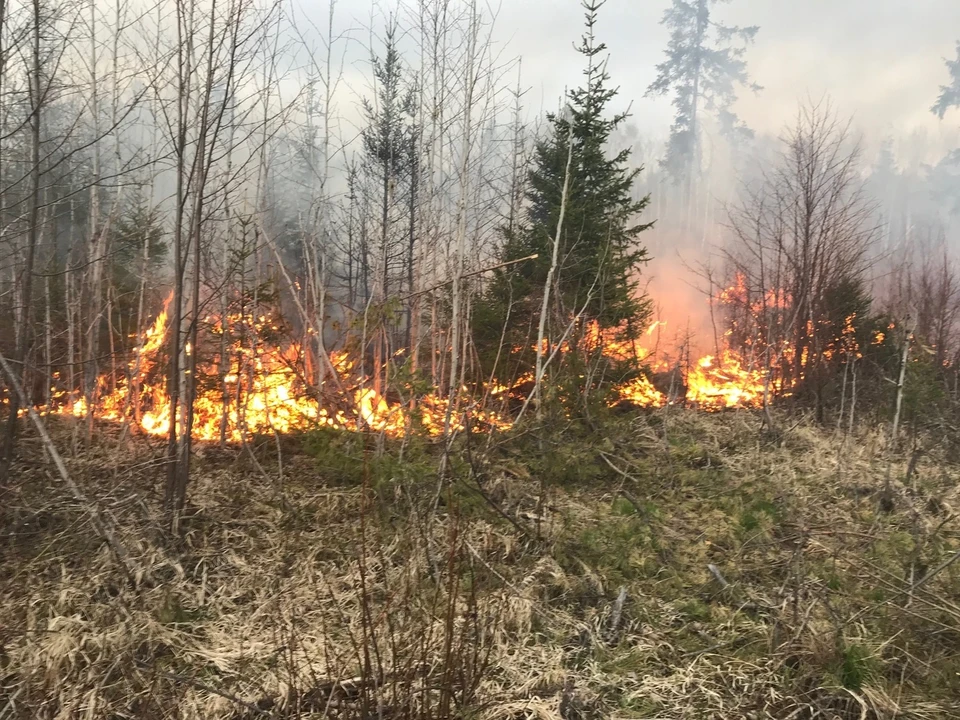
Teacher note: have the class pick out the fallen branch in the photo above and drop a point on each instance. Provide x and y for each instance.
(642, 511)
(718, 576)
(99, 524)
(616, 614)
(207, 688)
(909, 591)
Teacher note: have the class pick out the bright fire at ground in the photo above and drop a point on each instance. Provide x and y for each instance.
(715, 384)
(256, 388)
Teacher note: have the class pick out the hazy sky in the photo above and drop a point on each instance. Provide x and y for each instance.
(880, 61)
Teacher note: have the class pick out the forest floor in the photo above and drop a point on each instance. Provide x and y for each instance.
(673, 565)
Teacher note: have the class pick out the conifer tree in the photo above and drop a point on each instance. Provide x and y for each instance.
(944, 177)
(386, 140)
(386, 144)
(703, 68)
(598, 257)
(949, 94)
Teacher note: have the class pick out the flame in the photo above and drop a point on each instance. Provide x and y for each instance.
(248, 384)
(724, 382)
(641, 391)
(253, 387)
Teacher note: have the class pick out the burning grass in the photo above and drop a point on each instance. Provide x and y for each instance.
(252, 377)
(679, 566)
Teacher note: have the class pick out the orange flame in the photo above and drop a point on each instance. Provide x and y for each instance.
(254, 386)
(715, 384)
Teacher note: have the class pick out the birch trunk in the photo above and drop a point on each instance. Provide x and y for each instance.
(542, 326)
(456, 320)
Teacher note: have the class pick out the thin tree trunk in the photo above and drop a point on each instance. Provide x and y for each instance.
(96, 258)
(895, 430)
(843, 393)
(33, 233)
(69, 291)
(184, 73)
(411, 241)
(456, 320)
(853, 399)
(47, 346)
(203, 159)
(542, 326)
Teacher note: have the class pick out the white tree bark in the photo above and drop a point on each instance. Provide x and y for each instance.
(548, 285)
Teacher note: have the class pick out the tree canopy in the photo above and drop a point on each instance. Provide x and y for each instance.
(703, 68)
(949, 94)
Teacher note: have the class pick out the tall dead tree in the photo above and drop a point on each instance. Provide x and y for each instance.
(457, 320)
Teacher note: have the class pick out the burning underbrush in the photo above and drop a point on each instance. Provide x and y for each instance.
(671, 567)
(252, 378)
(252, 381)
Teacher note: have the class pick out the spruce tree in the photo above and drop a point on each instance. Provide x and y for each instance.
(949, 94)
(703, 68)
(386, 141)
(387, 153)
(599, 255)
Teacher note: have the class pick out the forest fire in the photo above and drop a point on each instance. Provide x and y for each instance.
(715, 383)
(262, 391)
(251, 382)
(255, 387)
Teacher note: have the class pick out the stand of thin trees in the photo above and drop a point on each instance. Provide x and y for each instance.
(207, 153)
(220, 159)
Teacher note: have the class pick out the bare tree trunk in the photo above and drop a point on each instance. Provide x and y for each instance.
(47, 345)
(210, 123)
(411, 243)
(95, 259)
(542, 327)
(225, 360)
(843, 393)
(456, 320)
(69, 291)
(184, 76)
(853, 399)
(895, 429)
(23, 340)
(135, 387)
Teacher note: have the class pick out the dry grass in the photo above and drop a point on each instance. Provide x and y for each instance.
(762, 580)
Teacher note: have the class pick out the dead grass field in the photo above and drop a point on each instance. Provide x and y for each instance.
(681, 567)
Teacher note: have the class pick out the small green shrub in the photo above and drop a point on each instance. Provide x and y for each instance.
(759, 512)
(856, 667)
(694, 609)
